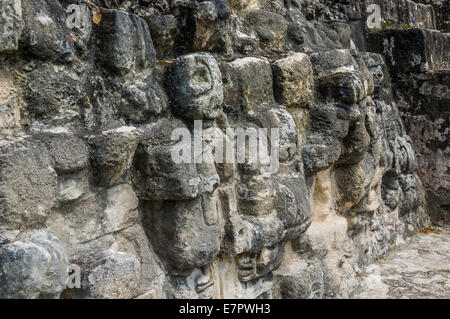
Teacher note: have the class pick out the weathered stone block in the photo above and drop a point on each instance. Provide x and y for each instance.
(121, 208)
(375, 65)
(133, 240)
(183, 233)
(339, 76)
(155, 174)
(328, 127)
(256, 196)
(164, 31)
(442, 13)
(212, 28)
(293, 205)
(316, 158)
(294, 81)
(9, 106)
(411, 50)
(303, 35)
(123, 42)
(10, 25)
(280, 118)
(355, 144)
(406, 14)
(325, 62)
(45, 33)
(107, 275)
(300, 280)
(417, 15)
(28, 185)
(112, 154)
(33, 267)
(143, 102)
(343, 85)
(411, 193)
(195, 84)
(54, 94)
(94, 216)
(69, 153)
(70, 157)
(248, 83)
(270, 27)
(71, 187)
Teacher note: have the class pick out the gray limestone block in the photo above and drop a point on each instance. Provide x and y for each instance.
(155, 174)
(50, 93)
(248, 84)
(164, 31)
(293, 205)
(95, 215)
(186, 234)
(142, 102)
(123, 42)
(270, 27)
(195, 85)
(10, 25)
(294, 81)
(111, 154)
(45, 33)
(355, 144)
(212, 28)
(300, 281)
(34, 266)
(28, 185)
(69, 153)
(107, 274)
(133, 240)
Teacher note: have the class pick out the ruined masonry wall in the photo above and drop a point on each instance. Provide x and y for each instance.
(90, 94)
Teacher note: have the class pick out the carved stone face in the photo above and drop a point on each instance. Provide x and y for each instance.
(213, 166)
(196, 87)
(183, 210)
(185, 234)
(372, 196)
(391, 191)
(201, 280)
(255, 227)
(359, 185)
(271, 208)
(293, 205)
(256, 196)
(252, 266)
(411, 193)
(155, 174)
(281, 119)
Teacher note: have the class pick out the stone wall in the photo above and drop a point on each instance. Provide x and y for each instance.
(92, 94)
(419, 65)
(442, 13)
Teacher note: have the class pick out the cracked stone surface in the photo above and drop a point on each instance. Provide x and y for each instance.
(417, 269)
